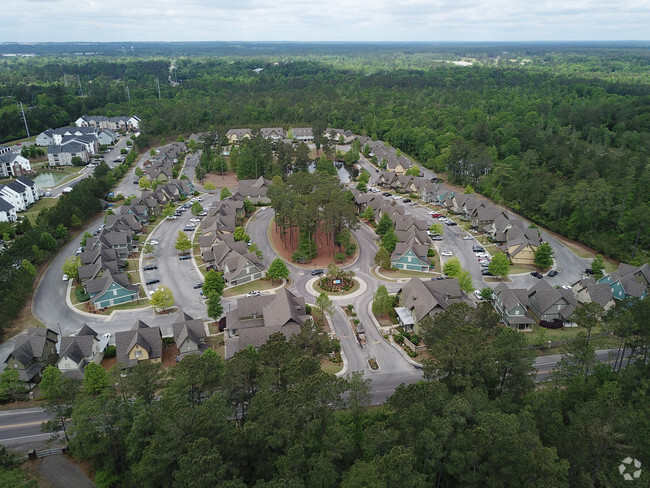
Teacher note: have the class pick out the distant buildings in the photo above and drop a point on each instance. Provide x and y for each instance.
(16, 196)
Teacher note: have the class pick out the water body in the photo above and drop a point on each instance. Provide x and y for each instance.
(47, 180)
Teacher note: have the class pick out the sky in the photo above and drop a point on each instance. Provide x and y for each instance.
(325, 20)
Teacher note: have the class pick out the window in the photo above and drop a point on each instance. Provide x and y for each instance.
(16, 365)
(138, 353)
(67, 366)
(189, 347)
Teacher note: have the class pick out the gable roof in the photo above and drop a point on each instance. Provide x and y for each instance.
(149, 338)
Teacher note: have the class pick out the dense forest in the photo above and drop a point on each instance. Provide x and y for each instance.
(559, 136)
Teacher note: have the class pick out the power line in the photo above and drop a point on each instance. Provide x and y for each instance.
(24, 118)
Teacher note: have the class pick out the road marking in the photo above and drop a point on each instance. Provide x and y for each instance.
(25, 424)
(28, 436)
(377, 342)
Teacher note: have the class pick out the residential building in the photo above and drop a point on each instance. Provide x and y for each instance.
(33, 352)
(410, 256)
(549, 304)
(628, 281)
(58, 155)
(273, 133)
(80, 349)
(512, 305)
(13, 164)
(238, 135)
(302, 134)
(189, 335)
(7, 211)
(255, 319)
(141, 343)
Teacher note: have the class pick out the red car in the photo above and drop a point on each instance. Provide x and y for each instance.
(435, 214)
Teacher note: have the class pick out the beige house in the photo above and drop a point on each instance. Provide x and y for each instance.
(238, 135)
(141, 343)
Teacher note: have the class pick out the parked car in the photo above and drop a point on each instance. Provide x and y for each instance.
(152, 281)
(478, 249)
(136, 182)
(430, 233)
(198, 285)
(107, 335)
(386, 194)
(486, 272)
(407, 200)
(149, 267)
(154, 241)
(65, 277)
(451, 222)
(566, 287)
(589, 271)
(254, 293)
(435, 214)
(172, 217)
(194, 219)
(537, 275)
(477, 294)
(203, 214)
(317, 272)
(553, 272)
(467, 237)
(189, 228)
(436, 238)
(185, 257)
(446, 253)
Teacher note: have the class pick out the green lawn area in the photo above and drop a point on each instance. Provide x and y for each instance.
(143, 302)
(521, 268)
(540, 334)
(328, 366)
(34, 210)
(354, 288)
(262, 284)
(402, 273)
(217, 344)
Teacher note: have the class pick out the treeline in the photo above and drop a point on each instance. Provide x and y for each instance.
(569, 152)
(28, 244)
(272, 418)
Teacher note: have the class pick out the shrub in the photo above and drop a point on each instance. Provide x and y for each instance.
(350, 307)
(339, 256)
(308, 309)
(300, 257)
(431, 253)
(399, 338)
(407, 335)
(356, 321)
(415, 339)
(110, 352)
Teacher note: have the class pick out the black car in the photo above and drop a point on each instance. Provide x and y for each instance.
(451, 222)
(189, 229)
(376, 170)
(185, 257)
(478, 249)
(317, 272)
(589, 271)
(198, 285)
(486, 272)
(136, 182)
(537, 275)
(407, 200)
(553, 273)
(386, 194)
(149, 267)
(152, 281)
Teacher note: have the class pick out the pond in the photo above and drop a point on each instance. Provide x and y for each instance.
(47, 180)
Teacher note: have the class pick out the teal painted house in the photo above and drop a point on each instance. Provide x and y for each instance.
(111, 290)
(628, 281)
(410, 256)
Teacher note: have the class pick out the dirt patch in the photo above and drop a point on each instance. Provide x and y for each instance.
(60, 472)
(229, 180)
(287, 245)
(169, 353)
(108, 363)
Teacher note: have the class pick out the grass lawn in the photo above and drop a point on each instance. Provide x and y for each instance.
(521, 268)
(540, 334)
(216, 343)
(403, 273)
(328, 366)
(127, 306)
(261, 284)
(34, 210)
(213, 327)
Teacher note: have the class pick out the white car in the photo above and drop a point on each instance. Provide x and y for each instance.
(482, 255)
(396, 197)
(477, 294)
(154, 242)
(195, 220)
(65, 277)
(107, 335)
(467, 238)
(172, 217)
(446, 253)
(254, 293)
(566, 287)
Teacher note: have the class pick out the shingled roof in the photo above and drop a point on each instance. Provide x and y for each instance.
(148, 338)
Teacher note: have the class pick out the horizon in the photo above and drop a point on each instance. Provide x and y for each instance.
(346, 21)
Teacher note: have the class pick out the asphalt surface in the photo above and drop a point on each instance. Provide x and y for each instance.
(22, 426)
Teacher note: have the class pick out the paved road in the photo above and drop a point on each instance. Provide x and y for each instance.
(22, 426)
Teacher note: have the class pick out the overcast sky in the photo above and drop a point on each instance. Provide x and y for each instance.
(325, 20)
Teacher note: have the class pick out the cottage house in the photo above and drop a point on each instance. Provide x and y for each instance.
(189, 335)
(141, 343)
(255, 319)
(33, 352)
(410, 256)
(78, 350)
(549, 304)
(511, 304)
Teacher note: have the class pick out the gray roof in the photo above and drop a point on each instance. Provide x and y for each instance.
(426, 297)
(5, 206)
(190, 328)
(26, 181)
(77, 347)
(149, 338)
(30, 345)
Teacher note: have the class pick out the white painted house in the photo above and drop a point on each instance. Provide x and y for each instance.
(13, 164)
(7, 211)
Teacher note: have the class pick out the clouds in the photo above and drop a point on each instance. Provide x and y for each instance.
(330, 20)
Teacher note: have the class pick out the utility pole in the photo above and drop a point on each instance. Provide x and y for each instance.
(158, 85)
(24, 118)
(65, 80)
(81, 92)
(128, 94)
